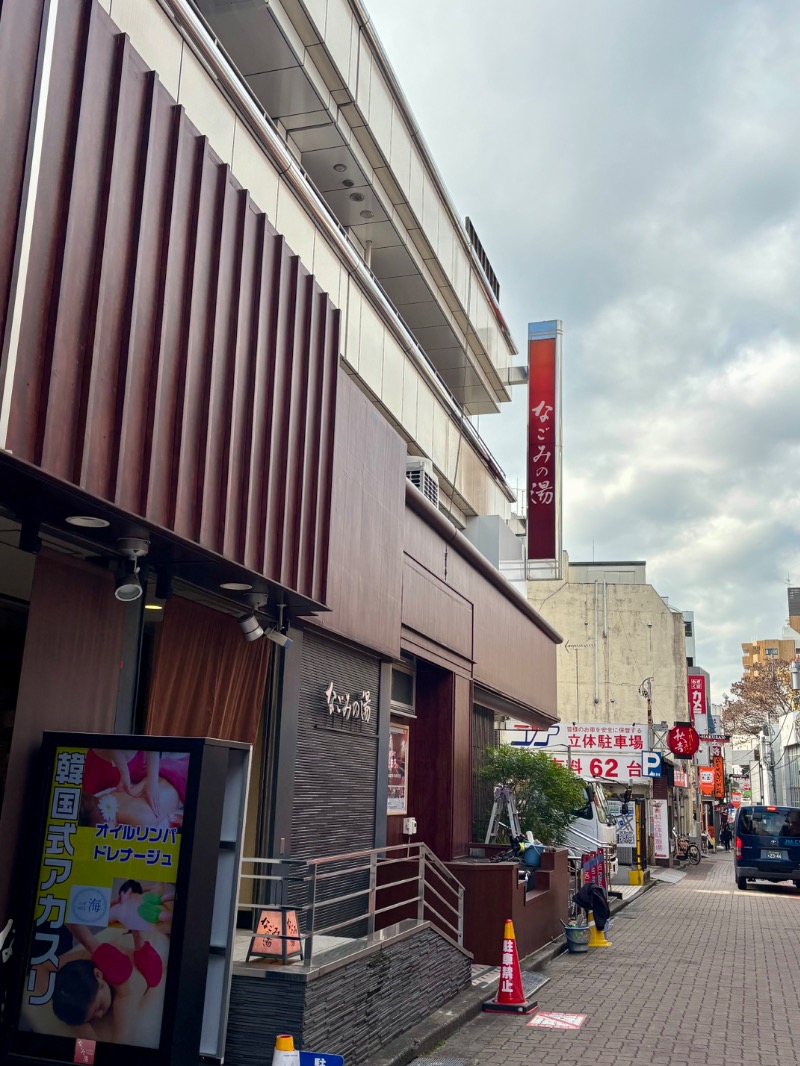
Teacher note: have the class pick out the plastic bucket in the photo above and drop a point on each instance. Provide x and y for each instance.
(533, 856)
(577, 938)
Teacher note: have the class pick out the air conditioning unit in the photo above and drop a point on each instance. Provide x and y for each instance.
(420, 473)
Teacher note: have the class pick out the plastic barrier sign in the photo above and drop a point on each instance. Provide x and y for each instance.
(320, 1058)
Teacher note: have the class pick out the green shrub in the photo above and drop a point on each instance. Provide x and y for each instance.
(546, 793)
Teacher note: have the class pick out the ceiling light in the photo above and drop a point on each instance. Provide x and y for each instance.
(235, 586)
(128, 587)
(348, 183)
(357, 197)
(153, 607)
(340, 168)
(367, 214)
(250, 628)
(87, 521)
(133, 548)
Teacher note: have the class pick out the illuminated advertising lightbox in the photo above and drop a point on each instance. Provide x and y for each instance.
(544, 440)
(123, 872)
(106, 895)
(697, 702)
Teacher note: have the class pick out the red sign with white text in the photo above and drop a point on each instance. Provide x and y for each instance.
(542, 441)
(682, 740)
(697, 702)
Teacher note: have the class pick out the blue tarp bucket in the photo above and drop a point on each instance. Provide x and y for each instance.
(533, 855)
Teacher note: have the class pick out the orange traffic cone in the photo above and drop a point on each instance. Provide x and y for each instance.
(284, 1053)
(510, 998)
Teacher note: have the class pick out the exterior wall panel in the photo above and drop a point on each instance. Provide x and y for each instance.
(175, 358)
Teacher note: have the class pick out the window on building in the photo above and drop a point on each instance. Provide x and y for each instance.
(771, 651)
(404, 690)
(687, 628)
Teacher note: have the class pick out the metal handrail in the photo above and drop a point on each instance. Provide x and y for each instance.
(310, 875)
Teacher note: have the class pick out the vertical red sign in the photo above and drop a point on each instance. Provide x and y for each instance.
(697, 703)
(542, 448)
(719, 777)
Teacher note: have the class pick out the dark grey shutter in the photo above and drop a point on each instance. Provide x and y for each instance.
(336, 770)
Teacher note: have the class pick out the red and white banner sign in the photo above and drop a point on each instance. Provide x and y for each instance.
(543, 440)
(706, 775)
(697, 703)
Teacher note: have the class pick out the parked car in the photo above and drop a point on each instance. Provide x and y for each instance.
(767, 845)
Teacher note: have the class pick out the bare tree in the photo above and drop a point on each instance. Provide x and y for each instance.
(764, 692)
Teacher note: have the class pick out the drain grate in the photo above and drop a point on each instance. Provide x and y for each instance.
(533, 980)
(439, 1062)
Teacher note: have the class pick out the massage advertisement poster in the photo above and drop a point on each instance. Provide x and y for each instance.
(105, 895)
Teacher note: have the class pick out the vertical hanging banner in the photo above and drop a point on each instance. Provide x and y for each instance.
(697, 702)
(660, 829)
(544, 440)
(719, 777)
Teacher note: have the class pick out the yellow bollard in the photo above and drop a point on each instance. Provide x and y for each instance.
(597, 937)
(635, 877)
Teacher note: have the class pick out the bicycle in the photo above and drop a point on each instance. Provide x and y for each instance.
(684, 849)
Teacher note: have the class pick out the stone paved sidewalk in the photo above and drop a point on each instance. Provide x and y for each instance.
(700, 974)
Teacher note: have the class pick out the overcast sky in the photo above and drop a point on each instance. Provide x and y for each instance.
(633, 168)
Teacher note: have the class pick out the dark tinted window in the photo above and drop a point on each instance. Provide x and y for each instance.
(758, 821)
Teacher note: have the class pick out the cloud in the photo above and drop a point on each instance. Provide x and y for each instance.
(634, 169)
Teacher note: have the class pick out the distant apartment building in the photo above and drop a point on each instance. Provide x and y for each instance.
(759, 652)
(785, 647)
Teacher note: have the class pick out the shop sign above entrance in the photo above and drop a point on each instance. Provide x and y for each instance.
(347, 708)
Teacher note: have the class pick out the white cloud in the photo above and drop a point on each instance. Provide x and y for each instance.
(634, 169)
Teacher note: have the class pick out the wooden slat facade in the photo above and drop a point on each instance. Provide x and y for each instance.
(176, 359)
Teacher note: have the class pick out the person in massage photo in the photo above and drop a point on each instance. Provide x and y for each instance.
(150, 792)
(140, 909)
(108, 987)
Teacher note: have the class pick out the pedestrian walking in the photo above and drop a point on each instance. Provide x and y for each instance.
(725, 836)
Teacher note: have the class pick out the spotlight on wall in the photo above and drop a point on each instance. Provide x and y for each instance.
(128, 586)
(249, 625)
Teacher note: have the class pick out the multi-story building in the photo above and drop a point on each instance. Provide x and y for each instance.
(621, 641)
(244, 330)
(761, 652)
(786, 647)
(623, 660)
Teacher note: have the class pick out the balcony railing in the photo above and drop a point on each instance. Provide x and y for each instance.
(352, 897)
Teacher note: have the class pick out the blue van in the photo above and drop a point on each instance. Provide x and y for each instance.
(767, 845)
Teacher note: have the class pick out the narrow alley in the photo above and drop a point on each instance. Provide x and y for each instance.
(699, 974)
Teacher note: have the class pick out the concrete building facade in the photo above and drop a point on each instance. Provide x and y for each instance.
(618, 634)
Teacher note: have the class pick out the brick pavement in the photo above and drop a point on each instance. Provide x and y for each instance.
(700, 974)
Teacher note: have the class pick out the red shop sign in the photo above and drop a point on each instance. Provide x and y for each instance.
(543, 443)
(683, 740)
